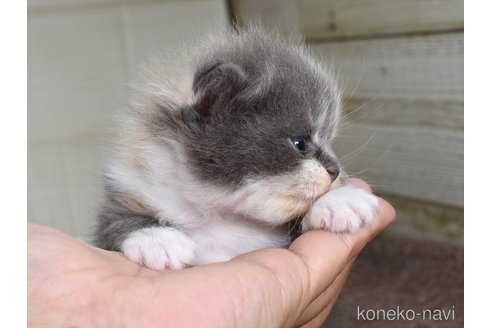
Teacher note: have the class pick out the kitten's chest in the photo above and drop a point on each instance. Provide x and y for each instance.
(222, 240)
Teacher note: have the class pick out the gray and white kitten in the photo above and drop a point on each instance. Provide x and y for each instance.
(222, 150)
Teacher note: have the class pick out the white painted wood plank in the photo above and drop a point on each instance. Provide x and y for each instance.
(424, 67)
(79, 63)
(76, 79)
(76, 72)
(322, 19)
(278, 15)
(64, 185)
(439, 114)
(412, 92)
(33, 5)
(416, 161)
(427, 220)
(168, 26)
(414, 86)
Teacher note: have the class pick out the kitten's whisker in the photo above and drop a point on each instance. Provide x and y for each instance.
(358, 150)
(346, 121)
(357, 84)
(361, 107)
(375, 163)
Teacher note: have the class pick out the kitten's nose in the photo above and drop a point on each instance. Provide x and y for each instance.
(333, 171)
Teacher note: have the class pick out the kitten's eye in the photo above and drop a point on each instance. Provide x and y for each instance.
(300, 143)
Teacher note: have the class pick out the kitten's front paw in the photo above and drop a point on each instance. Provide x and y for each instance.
(159, 248)
(344, 209)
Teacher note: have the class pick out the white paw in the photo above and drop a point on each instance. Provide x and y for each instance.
(159, 248)
(344, 209)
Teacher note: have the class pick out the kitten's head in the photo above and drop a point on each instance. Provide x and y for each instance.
(258, 127)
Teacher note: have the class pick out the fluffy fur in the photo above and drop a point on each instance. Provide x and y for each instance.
(222, 150)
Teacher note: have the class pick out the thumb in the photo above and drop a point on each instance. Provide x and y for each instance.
(326, 254)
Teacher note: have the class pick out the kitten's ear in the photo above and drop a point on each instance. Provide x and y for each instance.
(215, 85)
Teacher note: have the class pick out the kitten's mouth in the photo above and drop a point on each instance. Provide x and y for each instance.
(300, 204)
(302, 199)
(313, 193)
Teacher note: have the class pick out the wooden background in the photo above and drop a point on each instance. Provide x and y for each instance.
(82, 57)
(401, 62)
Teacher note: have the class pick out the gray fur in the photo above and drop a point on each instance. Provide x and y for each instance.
(117, 219)
(252, 97)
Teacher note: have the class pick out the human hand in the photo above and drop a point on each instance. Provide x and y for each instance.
(74, 284)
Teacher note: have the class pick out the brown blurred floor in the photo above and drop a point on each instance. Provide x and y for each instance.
(412, 274)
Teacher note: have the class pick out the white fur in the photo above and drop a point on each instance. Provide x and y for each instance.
(161, 186)
(273, 200)
(344, 209)
(222, 223)
(159, 248)
(222, 240)
(177, 196)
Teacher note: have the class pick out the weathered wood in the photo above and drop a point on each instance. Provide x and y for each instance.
(342, 19)
(405, 113)
(421, 219)
(82, 55)
(411, 87)
(424, 67)
(321, 19)
(411, 94)
(418, 161)
(71, 4)
(279, 15)
(64, 183)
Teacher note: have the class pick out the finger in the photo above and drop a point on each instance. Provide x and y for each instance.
(319, 319)
(278, 285)
(325, 254)
(321, 304)
(360, 183)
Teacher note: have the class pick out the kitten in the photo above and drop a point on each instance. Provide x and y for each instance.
(222, 150)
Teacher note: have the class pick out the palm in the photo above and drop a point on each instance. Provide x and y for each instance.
(71, 283)
(62, 268)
